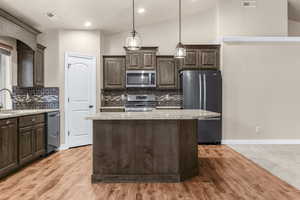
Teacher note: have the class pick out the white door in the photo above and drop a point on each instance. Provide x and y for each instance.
(80, 98)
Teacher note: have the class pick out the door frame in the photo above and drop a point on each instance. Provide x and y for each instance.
(94, 94)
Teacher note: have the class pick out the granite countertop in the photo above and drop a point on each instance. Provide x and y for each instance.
(155, 115)
(157, 107)
(112, 107)
(5, 114)
(168, 107)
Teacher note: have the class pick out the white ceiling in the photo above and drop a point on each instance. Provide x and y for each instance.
(108, 15)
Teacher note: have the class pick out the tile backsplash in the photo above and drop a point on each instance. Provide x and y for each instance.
(164, 97)
(36, 98)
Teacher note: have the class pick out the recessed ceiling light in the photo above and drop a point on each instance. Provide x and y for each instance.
(141, 10)
(88, 24)
(50, 14)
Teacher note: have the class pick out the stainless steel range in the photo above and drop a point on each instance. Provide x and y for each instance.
(140, 103)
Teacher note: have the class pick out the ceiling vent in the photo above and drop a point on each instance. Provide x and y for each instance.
(248, 3)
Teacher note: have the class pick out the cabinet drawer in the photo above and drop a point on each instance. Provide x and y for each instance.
(31, 120)
(8, 121)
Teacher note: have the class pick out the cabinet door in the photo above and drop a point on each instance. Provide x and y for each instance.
(39, 67)
(149, 61)
(209, 58)
(26, 146)
(191, 59)
(8, 145)
(39, 139)
(133, 61)
(114, 73)
(25, 65)
(166, 73)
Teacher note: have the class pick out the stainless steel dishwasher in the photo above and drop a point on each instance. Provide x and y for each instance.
(53, 132)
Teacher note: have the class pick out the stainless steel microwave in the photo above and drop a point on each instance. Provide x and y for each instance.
(140, 79)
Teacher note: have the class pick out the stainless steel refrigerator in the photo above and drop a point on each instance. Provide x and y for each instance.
(202, 89)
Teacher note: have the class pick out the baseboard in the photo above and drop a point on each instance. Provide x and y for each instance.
(63, 147)
(261, 141)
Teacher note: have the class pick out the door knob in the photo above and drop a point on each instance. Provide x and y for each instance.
(91, 106)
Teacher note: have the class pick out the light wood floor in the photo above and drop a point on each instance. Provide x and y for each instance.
(224, 175)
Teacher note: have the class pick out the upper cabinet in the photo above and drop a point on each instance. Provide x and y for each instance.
(39, 66)
(30, 66)
(167, 73)
(114, 72)
(144, 59)
(202, 56)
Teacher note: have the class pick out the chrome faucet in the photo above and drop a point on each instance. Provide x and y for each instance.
(10, 94)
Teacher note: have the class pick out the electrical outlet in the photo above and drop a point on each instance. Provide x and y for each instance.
(248, 3)
(257, 129)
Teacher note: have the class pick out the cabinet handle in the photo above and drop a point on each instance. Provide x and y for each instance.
(33, 120)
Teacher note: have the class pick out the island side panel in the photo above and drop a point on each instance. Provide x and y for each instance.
(188, 146)
(139, 150)
(113, 147)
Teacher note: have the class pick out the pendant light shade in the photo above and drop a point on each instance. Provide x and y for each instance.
(133, 41)
(180, 51)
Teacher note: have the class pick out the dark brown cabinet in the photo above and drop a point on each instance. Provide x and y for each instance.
(209, 58)
(39, 66)
(144, 59)
(8, 145)
(39, 139)
(148, 60)
(26, 152)
(22, 140)
(133, 61)
(202, 57)
(191, 59)
(25, 65)
(114, 72)
(31, 138)
(167, 73)
(30, 65)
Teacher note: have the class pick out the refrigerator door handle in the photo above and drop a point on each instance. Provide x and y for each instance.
(204, 86)
(200, 88)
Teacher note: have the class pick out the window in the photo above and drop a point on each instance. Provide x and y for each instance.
(5, 77)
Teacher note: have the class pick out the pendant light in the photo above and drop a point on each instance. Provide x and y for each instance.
(180, 51)
(133, 41)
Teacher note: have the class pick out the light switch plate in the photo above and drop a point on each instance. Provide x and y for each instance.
(248, 3)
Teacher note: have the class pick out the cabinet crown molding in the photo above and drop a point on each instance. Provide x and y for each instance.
(18, 22)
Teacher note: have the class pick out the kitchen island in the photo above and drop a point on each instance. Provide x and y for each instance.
(157, 146)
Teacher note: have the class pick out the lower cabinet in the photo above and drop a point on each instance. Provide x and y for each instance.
(26, 145)
(8, 145)
(32, 138)
(22, 140)
(39, 139)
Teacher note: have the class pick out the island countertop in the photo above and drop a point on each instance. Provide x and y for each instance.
(155, 115)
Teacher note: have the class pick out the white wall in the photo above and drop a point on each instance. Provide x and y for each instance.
(50, 39)
(58, 42)
(269, 18)
(261, 84)
(200, 28)
(294, 28)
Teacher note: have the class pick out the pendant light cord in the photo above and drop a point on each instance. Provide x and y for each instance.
(133, 19)
(180, 21)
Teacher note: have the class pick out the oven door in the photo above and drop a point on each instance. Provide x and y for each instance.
(140, 79)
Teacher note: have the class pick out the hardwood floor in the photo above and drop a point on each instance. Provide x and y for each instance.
(224, 175)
